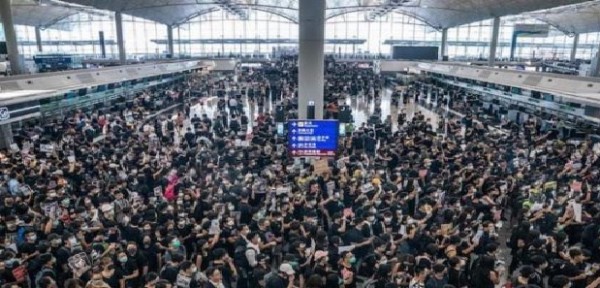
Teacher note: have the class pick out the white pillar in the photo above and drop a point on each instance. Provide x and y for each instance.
(120, 39)
(6, 136)
(170, 46)
(11, 37)
(311, 67)
(574, 48)
(38, 38)
(444, 46)
(494, 42)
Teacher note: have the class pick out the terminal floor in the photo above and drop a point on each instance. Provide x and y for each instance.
(362, 108)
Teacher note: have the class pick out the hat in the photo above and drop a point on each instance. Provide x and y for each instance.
(287, 269)
(320, 254)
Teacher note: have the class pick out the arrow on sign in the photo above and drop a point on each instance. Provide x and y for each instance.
(293, 138)
(294, 124)
(294, 131)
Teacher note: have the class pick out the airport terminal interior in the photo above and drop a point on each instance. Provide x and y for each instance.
(299, 144)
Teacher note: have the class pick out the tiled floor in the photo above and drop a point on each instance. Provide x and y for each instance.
(361, 109)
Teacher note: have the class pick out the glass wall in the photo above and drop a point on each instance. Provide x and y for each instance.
(396, 27)
(219, 33)
(471, 41)
(79, 34)
(213, 34)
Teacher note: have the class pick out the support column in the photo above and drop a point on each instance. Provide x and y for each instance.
(120, 40)
(574, 48)
(444, 46)
(595, 65)
(38, 38)
(170, 46)
(311, 67)
(11, 37)
(6, 136)
(494, 42)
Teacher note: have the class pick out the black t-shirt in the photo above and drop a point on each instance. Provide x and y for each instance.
(572, 270)
(276, 281)
(62, 256)
(169, 273)
(129, 268)
(113, 280)
(246, 213)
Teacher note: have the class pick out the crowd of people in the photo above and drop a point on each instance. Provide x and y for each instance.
(192, 200)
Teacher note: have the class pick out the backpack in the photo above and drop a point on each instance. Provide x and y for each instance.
(240, 259)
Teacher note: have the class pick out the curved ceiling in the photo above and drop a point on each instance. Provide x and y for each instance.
(33, 13)
(438, 14)
(572, 19)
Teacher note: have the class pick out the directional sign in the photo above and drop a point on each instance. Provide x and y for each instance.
(4, 114)
(318, 138)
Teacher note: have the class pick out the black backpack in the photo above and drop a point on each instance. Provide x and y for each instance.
(240, 259)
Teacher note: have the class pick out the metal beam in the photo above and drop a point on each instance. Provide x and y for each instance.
(387, 7)
(233, 8)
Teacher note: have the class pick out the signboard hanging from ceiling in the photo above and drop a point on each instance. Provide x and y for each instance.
(316, 138)
(532, 30)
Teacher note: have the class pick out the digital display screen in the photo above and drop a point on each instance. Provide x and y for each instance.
(318, 138)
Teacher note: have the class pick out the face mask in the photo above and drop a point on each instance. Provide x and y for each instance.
(11, 226)
(372, 210)
(55, 242)
(371, 218)
(176, 243)
(378, 202)
(194, 269)
(352, 260)
(33, 238)
(131, 251)
(123, 259)
(73, 241)
(387, 220)
(230, 223)
(66, 202)
(230, 207)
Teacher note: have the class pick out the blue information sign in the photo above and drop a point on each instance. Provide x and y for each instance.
(313, 137)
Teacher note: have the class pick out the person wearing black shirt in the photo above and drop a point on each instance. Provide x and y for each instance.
(130, 269)
(573, 269)
(456, 274)
(111, 274)
(225, 265)
(246, 211)
(283, 279)
(140, 260)
(171, 269)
